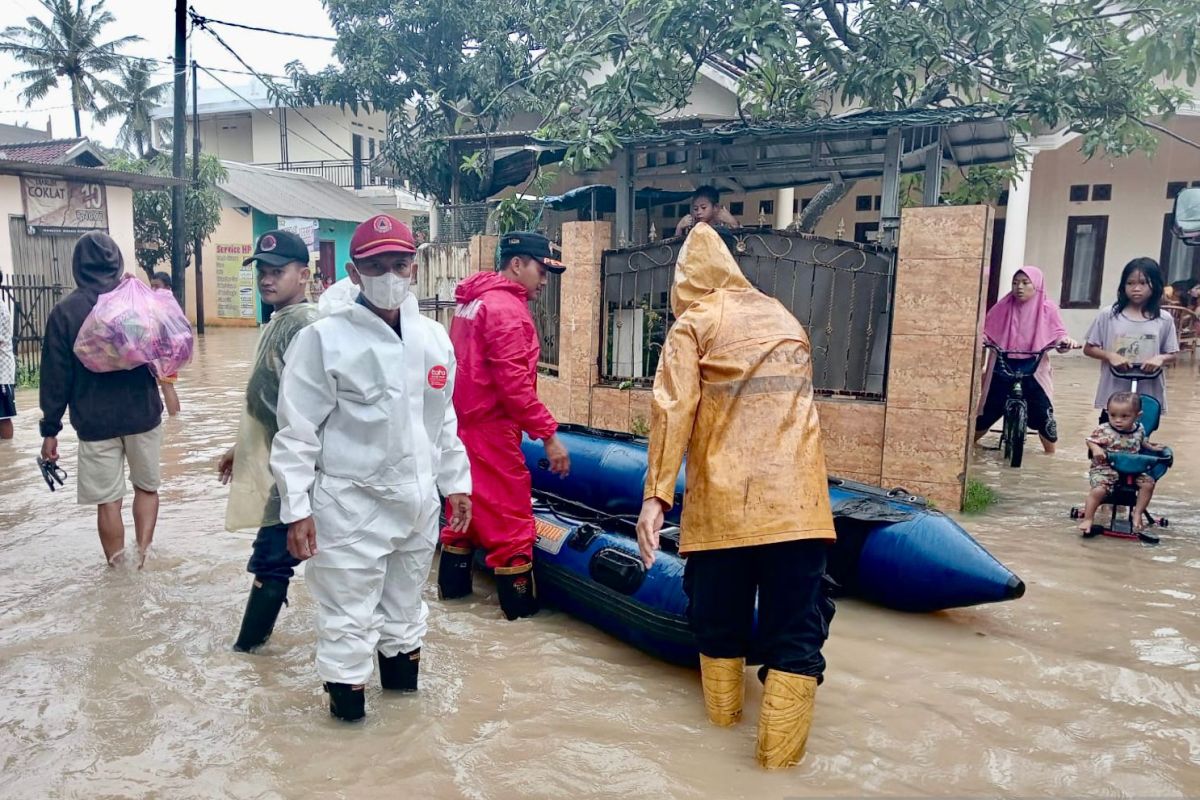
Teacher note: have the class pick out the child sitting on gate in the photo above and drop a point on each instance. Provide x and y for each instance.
(166, 383)
(1122, 433)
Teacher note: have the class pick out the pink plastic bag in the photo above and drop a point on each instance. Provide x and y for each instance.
(134, 325)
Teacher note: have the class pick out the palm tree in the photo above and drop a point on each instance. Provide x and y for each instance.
(133, 96)
(68, 46)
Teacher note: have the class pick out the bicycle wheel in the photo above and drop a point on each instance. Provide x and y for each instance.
(1020, 425)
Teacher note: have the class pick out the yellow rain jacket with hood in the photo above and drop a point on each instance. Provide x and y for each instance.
(734, 390)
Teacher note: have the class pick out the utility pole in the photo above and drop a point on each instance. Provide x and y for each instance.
(197, 255)
(178, 137)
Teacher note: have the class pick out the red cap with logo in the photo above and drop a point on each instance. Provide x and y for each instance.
(381, 234)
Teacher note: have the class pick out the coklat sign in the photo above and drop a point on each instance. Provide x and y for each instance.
(54, 204)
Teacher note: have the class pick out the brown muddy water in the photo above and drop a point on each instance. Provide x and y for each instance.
(122, 684)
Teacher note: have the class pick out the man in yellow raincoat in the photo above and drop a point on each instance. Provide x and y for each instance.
(734, 390)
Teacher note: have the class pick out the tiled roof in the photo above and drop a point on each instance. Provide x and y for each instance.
(53, 151)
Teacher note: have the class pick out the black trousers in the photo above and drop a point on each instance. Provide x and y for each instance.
(270, 558)
(1041, 410)
(794, 606)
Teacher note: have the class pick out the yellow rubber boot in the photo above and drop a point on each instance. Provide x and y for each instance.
(786, 718)
(723, 680)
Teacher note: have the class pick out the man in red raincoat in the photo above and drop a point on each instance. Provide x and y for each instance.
(495, 396)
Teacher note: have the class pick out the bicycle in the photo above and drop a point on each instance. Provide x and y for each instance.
(1015, 366)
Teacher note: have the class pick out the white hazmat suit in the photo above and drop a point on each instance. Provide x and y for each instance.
(367, 437)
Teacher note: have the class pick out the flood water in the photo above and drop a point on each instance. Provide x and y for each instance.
(123, 684)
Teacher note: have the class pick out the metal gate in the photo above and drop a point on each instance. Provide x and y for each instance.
(31, 302)
(840, 291)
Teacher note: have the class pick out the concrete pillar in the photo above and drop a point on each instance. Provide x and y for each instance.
(1016, 225)
(784, 199)
(937, 308)
(482, 252)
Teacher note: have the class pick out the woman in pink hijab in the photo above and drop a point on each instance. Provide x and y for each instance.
(1027, 321)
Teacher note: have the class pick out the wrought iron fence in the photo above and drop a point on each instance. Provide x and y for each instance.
(546, 314)
(840, 292)
(31, 300)
(458, 223)
(346, 173)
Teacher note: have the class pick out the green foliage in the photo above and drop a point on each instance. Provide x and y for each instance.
(152, 208)
(516, 213)
(67, 46)
(28, 377)
(639, 426)
(133, 97)
(978, 497)
(438, 69)
(512, 214)
(973, 186)
(587, 73)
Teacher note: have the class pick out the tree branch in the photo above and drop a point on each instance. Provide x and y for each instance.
(1166, 132)
(838, 23)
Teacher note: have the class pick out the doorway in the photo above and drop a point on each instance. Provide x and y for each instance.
(327, 263)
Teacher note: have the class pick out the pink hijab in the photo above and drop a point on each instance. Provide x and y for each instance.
(1028, 326)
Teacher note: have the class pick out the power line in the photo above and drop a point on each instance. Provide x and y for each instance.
(202, 21)
(265, 113)
(167, 63)
(34, 110)
(197, 20)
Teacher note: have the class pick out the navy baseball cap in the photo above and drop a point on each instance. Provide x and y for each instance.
(278, 248)
(532, 244)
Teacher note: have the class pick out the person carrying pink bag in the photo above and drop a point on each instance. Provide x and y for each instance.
(116, 414)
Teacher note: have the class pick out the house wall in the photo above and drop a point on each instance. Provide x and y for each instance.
(321, 134)
(1135, 213)
(120, 220)
(10, 206)
(918, 438)
(227, 136)
(252, 137)
(235, 228)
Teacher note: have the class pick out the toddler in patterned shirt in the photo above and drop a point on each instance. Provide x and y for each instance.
(1121, 433)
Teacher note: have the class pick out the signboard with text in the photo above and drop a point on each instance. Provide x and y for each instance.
(306, 229)
(55, 204)
(236, 296)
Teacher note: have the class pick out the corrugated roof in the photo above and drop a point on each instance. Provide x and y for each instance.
(292, 194)
(109, 177)
(867, 123)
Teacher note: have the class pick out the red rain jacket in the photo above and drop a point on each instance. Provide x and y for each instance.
(496, 346)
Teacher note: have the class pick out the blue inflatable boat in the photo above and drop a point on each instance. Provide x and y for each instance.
(892, 549)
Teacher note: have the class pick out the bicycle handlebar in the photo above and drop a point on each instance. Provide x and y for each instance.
(1005, 366)
(1134, 373)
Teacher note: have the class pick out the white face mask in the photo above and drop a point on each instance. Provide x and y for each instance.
(386, 292)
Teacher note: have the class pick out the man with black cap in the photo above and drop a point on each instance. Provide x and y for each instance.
(281, 263)
(496, 398)
(116, 415)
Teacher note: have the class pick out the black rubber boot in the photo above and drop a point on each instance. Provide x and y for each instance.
(399, 673)
(518, 594)
(346, 702)
(267, 596)
(454, 572)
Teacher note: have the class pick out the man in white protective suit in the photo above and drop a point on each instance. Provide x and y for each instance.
(367, 438)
